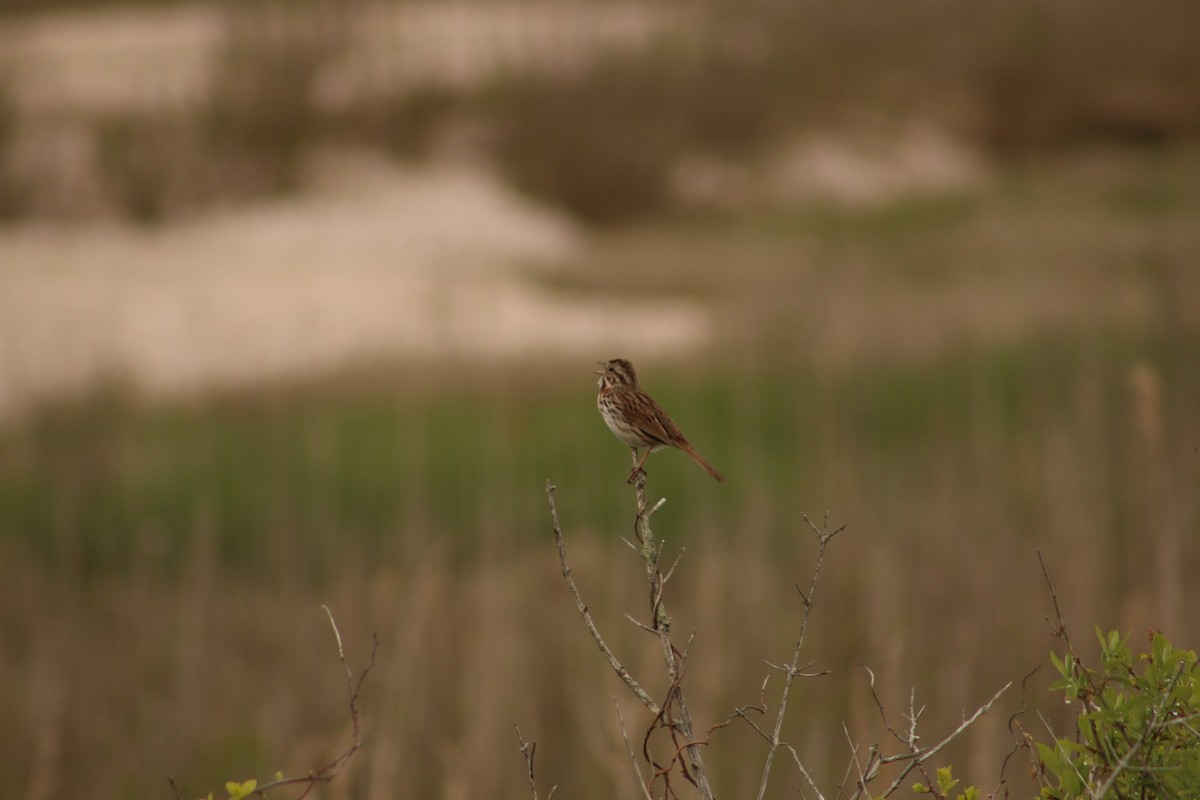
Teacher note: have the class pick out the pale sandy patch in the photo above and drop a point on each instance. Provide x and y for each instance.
(863, 168)
(378, 264)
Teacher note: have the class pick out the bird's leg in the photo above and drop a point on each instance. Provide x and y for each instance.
(637, 468)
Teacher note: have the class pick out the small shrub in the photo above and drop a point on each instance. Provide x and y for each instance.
(1138, 729)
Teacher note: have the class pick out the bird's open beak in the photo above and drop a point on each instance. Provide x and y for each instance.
(602, 364)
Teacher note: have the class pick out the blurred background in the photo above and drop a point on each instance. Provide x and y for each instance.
(300, 302)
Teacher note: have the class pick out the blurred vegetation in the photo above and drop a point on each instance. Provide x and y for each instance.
(179, 545)
(1015, 78)
(248, 139)
(422, 517)
(38, 6)
(161, 566)
(104, 485)
(732, 81)
(13, 189)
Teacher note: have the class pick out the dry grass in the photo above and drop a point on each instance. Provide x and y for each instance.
(164, 568)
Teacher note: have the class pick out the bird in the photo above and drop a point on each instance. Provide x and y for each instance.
(638, 421)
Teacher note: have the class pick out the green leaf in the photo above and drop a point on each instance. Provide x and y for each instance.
(1050, 758)
(920, 788)
(239, 790)
(945, 779)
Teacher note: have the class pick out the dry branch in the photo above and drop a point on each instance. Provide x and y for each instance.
(632, 756)
(616, 665)
(915, 756)
(824, 537)
(528, 749)
(675, 713)
(327, 773)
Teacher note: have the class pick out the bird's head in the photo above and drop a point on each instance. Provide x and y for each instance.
(617, 372)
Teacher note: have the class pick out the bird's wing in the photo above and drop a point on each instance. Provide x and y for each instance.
(663, 428)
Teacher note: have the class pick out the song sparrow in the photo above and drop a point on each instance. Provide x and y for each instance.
(636, 419)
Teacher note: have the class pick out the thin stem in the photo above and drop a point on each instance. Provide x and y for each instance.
(1152, 724)
(629, 749)
(616, 665)
(823, 539)
(696, 771)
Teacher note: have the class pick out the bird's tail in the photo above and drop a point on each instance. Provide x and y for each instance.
(699, 459)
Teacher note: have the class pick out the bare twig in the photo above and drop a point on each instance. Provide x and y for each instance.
(808, 778)
(616, 665)
(327, 773)
(914, 714)
(824, 536)
(664, 720)
(917, 757)
(882, 713)
(528, 749)
(737, 713)
(799, 672)
(855, 763)
(334, 768)
(678, 716)
(761, 708)
(675, 564)
(1059, 628)
(1021, 739)
(632, 756)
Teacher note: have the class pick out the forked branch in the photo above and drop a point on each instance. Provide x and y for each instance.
(793, 670)
(528, 749)
(613, 662)
(915, 757)
(675, 716)
(327, 773)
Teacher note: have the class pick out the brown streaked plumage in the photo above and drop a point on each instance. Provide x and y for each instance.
(638, 421)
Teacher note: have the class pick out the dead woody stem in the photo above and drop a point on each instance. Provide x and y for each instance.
(675, 709)
(824, 536)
